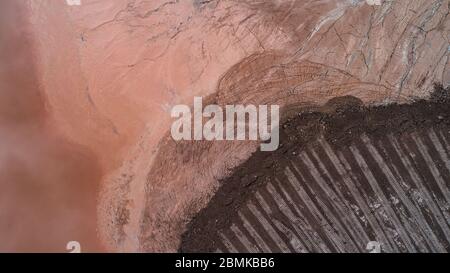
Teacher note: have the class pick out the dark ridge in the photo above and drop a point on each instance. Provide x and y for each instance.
(340, 121)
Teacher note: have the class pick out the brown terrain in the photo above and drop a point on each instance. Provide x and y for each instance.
(48, 183)
(345, 175)
(87, 92)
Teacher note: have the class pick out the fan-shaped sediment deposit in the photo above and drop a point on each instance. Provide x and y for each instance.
(110, 72)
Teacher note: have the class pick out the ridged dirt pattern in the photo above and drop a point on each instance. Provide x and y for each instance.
(122, 65)
(394, 190)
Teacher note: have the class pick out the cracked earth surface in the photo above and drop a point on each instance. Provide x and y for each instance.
(110, 72)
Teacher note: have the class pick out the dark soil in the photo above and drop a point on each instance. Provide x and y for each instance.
(340, 121)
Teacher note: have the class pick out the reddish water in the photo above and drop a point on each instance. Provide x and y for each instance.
(48, 186)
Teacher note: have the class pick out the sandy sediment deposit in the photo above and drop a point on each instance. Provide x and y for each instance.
(87, 152)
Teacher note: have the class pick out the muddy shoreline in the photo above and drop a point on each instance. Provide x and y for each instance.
(340, 121)
(49, 184)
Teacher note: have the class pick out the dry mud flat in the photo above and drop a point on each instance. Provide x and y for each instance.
(140, 58)
(345, 175)
(109, 72)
